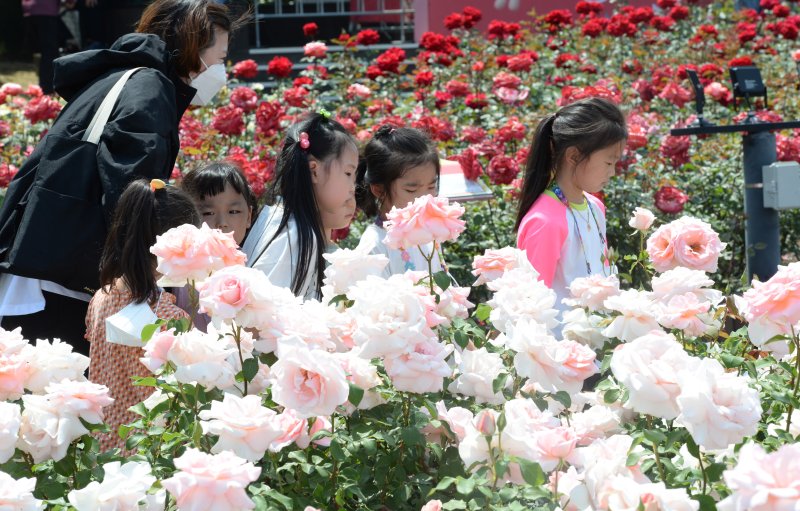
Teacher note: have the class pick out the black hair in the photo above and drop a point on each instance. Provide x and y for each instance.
(140, 215)
(390, 153)
(294, 189)
(588, 125)
(210, 179)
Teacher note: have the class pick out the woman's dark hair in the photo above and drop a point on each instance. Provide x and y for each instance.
(210, 179)
(588, 125)
(187, 27)
(294, 188)
(141, 215)
(390, 153)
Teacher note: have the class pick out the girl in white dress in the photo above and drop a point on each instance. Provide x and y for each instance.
(399, 165)
(312, 194)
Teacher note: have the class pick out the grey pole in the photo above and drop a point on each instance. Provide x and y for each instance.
(762, 226)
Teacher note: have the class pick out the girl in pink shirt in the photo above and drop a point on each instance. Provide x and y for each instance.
(559, 224)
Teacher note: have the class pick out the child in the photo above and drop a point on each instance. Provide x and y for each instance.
(225, 202)
(399, 165)
(559, 224)
(223, 197)
(128, 281)
(313, 193)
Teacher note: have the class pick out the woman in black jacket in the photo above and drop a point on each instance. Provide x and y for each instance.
(53, 220)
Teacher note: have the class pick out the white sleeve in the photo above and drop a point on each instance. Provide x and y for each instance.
(276, 261)
(371, 243)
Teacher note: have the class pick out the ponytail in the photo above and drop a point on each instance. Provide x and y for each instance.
(539, 167)
(588, 125)
(140, 215)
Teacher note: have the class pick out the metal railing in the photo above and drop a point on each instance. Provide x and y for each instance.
(335, 8)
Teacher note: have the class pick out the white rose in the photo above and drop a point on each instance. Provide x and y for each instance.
(637, 315)
(244, 426)
(519, 295)
(17, 494)
(478, 370)
(642, 219)
(421, 370)
(123, 487)
(201, 358)
(45, 433)
(10, 418)
(51, 362)
(583, 328)
(682, 280)
(347, 267)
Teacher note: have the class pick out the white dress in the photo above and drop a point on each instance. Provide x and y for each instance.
(279, 260)
(400, 261)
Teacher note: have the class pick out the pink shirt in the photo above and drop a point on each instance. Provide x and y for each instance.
(560, 241)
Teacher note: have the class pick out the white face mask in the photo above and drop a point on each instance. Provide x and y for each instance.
(125, 327)
(208, 83)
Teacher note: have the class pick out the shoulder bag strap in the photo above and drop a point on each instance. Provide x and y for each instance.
(95, 129)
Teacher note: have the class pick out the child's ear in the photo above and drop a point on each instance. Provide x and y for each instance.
(249, 217)
(314, 166)
(572, 155)
(378, 191)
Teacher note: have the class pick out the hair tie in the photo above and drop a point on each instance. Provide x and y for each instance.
(157, 184)
(305, 143)
(324, 113)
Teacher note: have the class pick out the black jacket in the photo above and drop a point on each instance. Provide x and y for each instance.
(140, 139)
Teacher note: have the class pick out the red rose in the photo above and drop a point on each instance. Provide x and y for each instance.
(788, 148)
(632, 67)
(268, 117)
(246, 69)
(424, 78)
(565, 60)
(522, 62)
(558, 18)
(670, 200)
(7, 173)
(338, 235)
(768, 5)
(621, 26)
(679, 12)
(588, 7)
(522, 154)
(637, 137)
(454, 21)
(441, 98)
(432, 41)
(645, 89)
(592, 28)
(708, 31)
(470, 165)
(476, 101)
(280, 67)
(229, 120)
(244, 98)
(479, 66)
(497, 29)
(641, 15)
(457, 88)
(296, 96)
(666, 4)
(310, 30)
(368, 37)
(662, 23)
(513, 129)
(740, 61)
(473, 134)
(503, 170)
(676, 94)
(570, 94)
(348, 124)
(502, 60)
(374, 72)
(389, 61)
(676, 149)
(787, 30)
(302, 81)
(5, 129)
(471, 16)
(34, 90)
(41, 108)
(503, 79)
(438, 129)
(781, 11)
(346, 40)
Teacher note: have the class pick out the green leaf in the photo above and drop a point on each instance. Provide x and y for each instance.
(633, 458)
(731, 361)
(149, 330)
(706, 502)
(442, 279)
(499, 383)
(655, 436)
(482, 311)
(356, 394)
(461, 339)
(465, 486)
(250, 369)
(454, 504)
(611, 396)
(692, 447)
(532, 472)
(444, 484)
(563, 397)
(501, 422)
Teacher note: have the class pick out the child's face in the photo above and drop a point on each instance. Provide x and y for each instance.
(227, 211)
(414, 183)
(593, 173)
(335, 189)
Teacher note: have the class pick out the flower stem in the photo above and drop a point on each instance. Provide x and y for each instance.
(237, 336)
(703, 470)
(795, 377)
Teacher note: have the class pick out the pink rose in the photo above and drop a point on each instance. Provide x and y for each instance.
(686, 312)
(650, 368)
(316, 49)
(310, 382)
(157, 349)
(555, 365)
(592, 291)
(422, 369)
(321, 424)
(495, 262)
(432, 505)
(773, 307)
(358, 90)
(83, 399)
(10, 419)
(17, 494)
(202, 359)
(14, 373)
(244, 426)
(764, 482)
(293, 429)
(46, 431)
(187, 253)
(477, 372)
(687, 242)
(637, 315)
(642, 219)
(11, 89)
(520, 295)
(453, 303)
(457, 419)
(717, 407)
(51, 362)
(554, 445)
(211, 481)
(428, 219)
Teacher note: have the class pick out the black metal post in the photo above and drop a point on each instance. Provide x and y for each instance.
(762, 231)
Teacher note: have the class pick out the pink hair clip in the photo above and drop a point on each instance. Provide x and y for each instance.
(304, 142)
